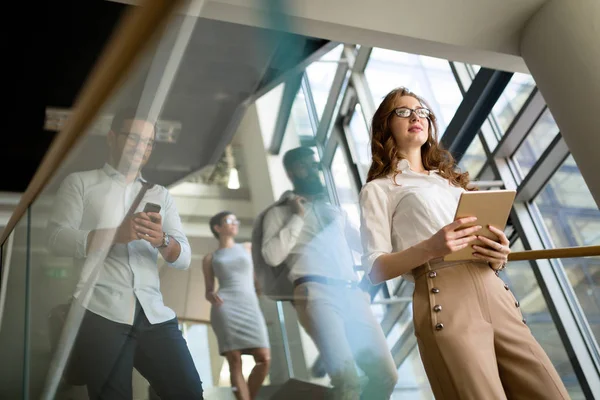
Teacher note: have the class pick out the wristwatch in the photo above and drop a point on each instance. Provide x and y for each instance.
(166, 240)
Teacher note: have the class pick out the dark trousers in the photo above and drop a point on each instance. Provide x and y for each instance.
(108, 351)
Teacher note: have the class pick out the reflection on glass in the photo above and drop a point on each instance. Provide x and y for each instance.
(13, 318)
(572, 218)
(474, 159)
(299, 116)
(512, 99)
(412, 382)
(536, 142)
(428, 77)
(320, 76)
(347, 192)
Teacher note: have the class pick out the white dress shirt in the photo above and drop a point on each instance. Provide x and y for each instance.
(398, 215)
(321, 240)
(100, 199)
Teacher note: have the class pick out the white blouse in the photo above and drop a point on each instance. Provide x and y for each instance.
(398, 215)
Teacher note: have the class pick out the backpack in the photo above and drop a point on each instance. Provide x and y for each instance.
(274, 281)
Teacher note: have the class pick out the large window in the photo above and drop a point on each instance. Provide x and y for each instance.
(360, 138)
(562, 214)
(536, 142)
(431, 78)
(299, 116)
(511, 101)
(572, 218)
(320, 76)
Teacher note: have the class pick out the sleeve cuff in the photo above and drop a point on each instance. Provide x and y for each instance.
(369, 260)
(185, 256)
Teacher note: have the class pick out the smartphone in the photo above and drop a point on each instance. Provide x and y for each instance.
(151, 207)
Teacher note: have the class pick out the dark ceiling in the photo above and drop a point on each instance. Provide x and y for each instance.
(223, 65)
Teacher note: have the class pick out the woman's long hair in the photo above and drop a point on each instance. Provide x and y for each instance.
(385, 156)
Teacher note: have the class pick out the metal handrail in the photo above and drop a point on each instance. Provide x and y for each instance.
(565, 252)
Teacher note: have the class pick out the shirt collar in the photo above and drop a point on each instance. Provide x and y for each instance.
(113, 173)
(404, 167)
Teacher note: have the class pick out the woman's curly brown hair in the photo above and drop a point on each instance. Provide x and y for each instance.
(385, 155)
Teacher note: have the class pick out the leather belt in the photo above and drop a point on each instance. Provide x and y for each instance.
(326, 281)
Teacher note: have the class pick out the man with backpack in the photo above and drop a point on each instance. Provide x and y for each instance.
(302, 250)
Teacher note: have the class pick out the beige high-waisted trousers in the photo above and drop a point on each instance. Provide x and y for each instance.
(473, 340)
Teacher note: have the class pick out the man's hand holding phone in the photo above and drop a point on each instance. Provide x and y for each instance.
(148, 225)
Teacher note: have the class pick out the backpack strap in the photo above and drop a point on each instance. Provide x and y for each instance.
(138, 199)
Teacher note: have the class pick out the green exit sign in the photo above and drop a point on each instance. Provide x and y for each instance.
(57, 273)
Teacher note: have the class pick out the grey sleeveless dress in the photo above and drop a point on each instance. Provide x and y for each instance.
(238, 323)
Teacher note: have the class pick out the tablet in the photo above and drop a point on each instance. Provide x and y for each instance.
(491, 207)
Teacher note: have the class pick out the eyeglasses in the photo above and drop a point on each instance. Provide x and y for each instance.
(232, 221)
(135, 138)
(405, 112)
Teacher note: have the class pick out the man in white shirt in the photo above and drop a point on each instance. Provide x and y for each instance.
(126, 323)
(316, 240)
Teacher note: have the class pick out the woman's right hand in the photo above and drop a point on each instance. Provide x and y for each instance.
(214, 299)
(451, 238)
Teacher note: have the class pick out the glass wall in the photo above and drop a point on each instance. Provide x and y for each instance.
(44, 274)
(572, 218)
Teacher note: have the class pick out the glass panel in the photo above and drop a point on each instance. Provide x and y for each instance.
(345, 186)
(92, 258)
(299, 118)
(360, 139)
(522, 282)
(412, 380)
(474, 158)
(537, 141)
(320, 76)
(489, 134)
(572, 218)
(347, 192)
(512, 99)
(466, 73)
(267, 108)
(428, 77)
(12, 317)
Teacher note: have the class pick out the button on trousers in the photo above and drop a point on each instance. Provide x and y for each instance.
(473, 340)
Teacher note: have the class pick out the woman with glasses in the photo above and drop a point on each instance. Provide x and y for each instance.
(472, 337)
(235, 314)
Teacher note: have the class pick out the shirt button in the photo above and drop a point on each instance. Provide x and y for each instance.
(505, 286)
(524, 321)
(435, 290)
(439, 327)
(432, 274)
(517, 303)
(437, 308)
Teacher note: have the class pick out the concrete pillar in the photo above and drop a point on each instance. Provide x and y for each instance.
(560, 46)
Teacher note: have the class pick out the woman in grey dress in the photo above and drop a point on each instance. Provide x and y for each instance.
(235, 314)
